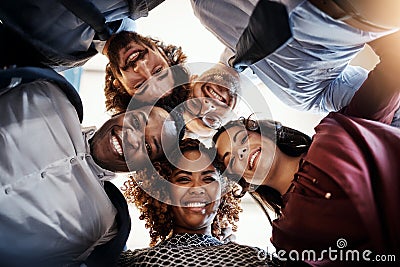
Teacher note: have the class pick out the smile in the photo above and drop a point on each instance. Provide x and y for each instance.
(117, 145)
(195, 204)
(214, 94)
(253, 157)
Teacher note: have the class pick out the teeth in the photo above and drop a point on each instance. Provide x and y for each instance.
(214, 94)
(195, 204)
(116, 145)
(253, 157)
(132, 56)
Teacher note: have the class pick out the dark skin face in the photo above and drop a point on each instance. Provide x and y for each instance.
(195, 194)
(131, 140)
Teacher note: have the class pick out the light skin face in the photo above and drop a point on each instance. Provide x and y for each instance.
(211, 103)
(195, 194)
(204, 114)
(135, 137)
(247, 154)
(214, 91)
(144, 71)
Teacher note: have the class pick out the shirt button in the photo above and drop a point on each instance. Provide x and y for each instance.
(7, 190)
(43, 174)
(72, 160)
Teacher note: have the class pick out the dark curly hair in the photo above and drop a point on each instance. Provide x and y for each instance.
(290, 141)
(117, 99)
(158, 214)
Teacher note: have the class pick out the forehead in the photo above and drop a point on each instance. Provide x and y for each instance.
(232, 133)
(195, 161)
(142, 114)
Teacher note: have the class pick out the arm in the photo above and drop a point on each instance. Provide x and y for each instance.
(379, 96)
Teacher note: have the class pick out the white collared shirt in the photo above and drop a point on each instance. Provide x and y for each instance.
(53, 205)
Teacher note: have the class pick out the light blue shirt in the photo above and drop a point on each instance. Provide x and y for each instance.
(310, 71)
(53, 205)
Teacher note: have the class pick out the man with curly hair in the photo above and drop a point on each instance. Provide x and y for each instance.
(144, 70)
(186, 202)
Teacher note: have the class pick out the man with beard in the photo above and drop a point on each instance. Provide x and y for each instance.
(58, 207)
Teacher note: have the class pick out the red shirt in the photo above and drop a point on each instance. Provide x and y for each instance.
(348, 185)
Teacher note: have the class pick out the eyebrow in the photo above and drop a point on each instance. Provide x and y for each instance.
(190, 173)
(207, 172)
(234, 140)
(236, 134)
(225, 155)
(162, 76)
(143, 90)
(146, 85)
(143, 115)
(182, 172)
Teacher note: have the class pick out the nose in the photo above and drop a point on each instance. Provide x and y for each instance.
(142, 69)
(207, 106)
(197, 190)
(134, 138)
(241, 151)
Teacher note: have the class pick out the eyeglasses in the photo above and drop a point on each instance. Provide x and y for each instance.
(195, 107)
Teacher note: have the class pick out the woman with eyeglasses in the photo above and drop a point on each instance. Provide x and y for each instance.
(341, 185)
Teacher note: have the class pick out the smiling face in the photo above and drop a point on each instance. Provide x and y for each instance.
(246, 153)
(213, 97)
(204, 114)
(214, 91)
(130, 140)
(142, 70)
(195, 193)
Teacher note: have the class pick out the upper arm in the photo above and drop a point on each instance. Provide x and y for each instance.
(378, 98)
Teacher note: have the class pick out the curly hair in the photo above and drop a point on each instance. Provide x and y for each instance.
(158, 214)
(117, 98)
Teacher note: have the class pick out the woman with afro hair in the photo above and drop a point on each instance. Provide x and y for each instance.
(186, 204)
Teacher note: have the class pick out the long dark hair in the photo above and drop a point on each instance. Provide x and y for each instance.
(290, 141)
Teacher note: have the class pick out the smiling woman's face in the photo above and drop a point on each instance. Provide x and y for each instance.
(195, 193)
(246, 153)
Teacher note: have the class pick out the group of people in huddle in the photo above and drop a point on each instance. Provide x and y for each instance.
(178, 136)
